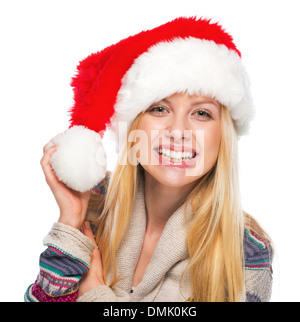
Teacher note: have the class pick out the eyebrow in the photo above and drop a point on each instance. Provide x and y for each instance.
(212, 101)
(165, 100)
(207, 101)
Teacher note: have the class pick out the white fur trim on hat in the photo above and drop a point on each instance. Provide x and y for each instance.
(80, 159)
(189, 65)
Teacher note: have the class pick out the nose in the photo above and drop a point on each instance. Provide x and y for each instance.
(179, 130)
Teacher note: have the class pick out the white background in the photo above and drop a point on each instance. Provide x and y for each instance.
(41, 44)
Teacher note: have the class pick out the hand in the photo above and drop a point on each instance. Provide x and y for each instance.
(94, 277)
(72, 204)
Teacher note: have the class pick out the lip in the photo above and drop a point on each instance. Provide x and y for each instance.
(182, 165)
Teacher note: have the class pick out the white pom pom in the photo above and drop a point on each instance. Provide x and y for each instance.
(80, 159)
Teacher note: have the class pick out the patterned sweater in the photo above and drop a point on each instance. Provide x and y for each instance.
(68, 254)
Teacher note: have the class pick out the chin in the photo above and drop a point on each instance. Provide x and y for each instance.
(171, 177)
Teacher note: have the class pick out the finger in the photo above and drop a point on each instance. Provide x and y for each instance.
(50, 144)
(45, 147)
(48, 152)
(96, 262)
(87, 231)
(45, 163)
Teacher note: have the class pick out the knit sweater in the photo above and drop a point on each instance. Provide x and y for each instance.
(68, 254)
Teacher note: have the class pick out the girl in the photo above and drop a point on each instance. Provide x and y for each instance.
(167, 223)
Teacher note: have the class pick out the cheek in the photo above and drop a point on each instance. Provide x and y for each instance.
(147, 124)
(151, 128)
(144, 129)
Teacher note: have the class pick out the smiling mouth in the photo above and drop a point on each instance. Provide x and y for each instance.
(175, 156)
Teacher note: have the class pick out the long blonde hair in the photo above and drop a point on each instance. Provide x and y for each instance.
(215, 235)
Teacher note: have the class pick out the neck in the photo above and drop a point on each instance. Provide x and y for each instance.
(161, 202)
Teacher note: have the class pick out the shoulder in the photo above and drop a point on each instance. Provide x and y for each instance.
(258, 256)
(97, 198)
(257, 249)
(257, 244)
(102, 186)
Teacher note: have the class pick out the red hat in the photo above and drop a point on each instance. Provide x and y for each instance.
(117, 83)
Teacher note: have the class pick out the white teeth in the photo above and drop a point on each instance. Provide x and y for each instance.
(176, 155)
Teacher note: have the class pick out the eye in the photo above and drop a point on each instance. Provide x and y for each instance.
(202, 113)
(157, 110)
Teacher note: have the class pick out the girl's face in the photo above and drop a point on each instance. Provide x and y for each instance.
(180, 138)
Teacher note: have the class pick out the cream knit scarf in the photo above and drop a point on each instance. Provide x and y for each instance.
(161, 278)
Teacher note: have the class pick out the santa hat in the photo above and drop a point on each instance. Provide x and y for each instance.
(116, 84)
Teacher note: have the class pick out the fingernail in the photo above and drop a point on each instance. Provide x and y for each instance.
(87, 225)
